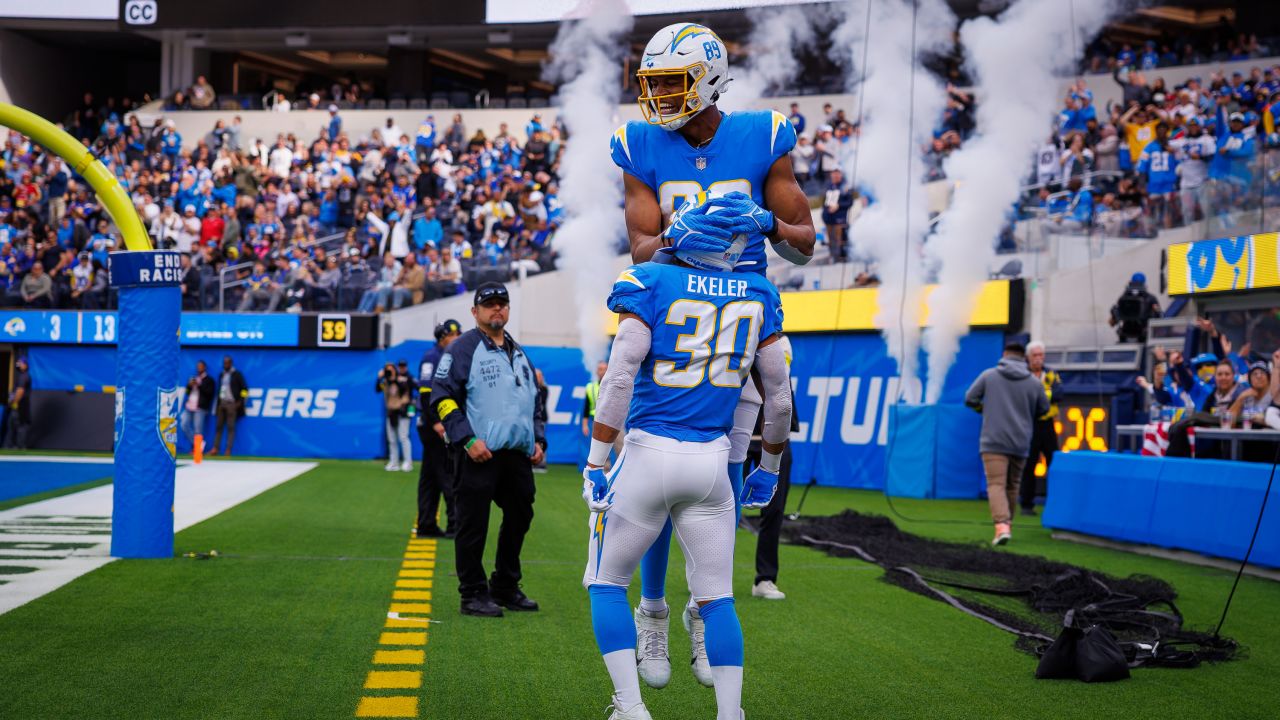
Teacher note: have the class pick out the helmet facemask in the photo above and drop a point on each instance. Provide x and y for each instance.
(686, 101)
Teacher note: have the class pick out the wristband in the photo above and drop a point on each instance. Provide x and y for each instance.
(470, 442)
(599, 453)
(770, 462)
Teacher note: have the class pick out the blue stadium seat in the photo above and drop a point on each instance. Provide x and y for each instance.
(498, 103)
(517, 103)
(537, 102)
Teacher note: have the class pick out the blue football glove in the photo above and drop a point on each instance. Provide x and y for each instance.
(595, 489)
(693, 229)
(758, 488)
(746, 215)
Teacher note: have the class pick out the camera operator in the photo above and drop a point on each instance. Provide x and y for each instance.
(397, 396)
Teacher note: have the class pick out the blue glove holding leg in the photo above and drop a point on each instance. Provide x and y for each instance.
(595, 489)
(746, 215)
(758, 488)
(692, 228)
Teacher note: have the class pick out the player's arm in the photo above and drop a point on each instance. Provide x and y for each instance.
(793, 234)
(775, 382)
(630, 348)
(644, 219)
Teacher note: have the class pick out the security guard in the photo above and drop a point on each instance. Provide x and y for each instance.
(589, 403)
(437, 474)
(485, 393)
(1044, 438)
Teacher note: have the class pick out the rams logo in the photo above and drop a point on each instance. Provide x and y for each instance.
(168, 405)
(15, 327)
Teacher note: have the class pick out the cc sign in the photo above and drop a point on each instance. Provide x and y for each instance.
(140, 12)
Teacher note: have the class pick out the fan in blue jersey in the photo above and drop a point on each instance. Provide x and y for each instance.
(689, 334)
(686, 146)
(1159, 164)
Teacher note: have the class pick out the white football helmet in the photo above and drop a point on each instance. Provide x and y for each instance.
(695, 57)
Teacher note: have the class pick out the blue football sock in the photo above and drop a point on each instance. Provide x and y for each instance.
(735, 481)
(653, 566)
(611, 619)
(723, 632)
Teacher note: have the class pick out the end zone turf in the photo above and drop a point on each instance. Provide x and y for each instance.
(287, 620)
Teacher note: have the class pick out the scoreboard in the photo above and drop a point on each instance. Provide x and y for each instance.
(344, 331)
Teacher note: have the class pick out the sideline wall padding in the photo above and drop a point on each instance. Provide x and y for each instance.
(1206, 506)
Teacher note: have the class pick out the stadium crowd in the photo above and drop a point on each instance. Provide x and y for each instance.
(293, 222)
(1165, 157)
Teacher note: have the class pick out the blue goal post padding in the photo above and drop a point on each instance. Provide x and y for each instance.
(1206, 506)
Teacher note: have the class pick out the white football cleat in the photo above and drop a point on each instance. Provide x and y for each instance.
(636, 712)
(391, 467)
(768, 590)
(653, 662)
(697, 648)
(406, 466)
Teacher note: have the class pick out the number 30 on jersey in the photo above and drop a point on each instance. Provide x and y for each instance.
(713, 345)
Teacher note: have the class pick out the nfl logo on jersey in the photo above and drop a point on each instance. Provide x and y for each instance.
(700, 163)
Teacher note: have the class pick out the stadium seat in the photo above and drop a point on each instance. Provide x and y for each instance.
(498, 103)
(517, 103)
(397, 104)
(418, 103)
(439, 104)
(376, 104)
(537, 102)
(460, 100)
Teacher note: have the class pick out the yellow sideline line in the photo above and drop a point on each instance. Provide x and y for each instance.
(398, 661)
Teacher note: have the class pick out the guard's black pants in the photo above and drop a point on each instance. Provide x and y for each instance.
(435, 478)
(507, 480)
(1043, 441)
(772, 515)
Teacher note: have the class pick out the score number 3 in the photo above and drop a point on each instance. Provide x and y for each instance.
(711, 326)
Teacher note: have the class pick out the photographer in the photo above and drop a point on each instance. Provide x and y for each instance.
(397, 394)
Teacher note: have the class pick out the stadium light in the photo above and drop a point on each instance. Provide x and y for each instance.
(399, 39)
(297, 40)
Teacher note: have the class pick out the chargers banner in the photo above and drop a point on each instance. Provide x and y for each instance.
(300, 401)
(844, 386)
(1246, 262)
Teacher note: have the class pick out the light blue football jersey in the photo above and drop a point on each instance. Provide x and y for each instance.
(738, 158)
(706, 327)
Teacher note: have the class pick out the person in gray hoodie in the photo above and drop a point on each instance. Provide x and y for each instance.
(1010, 398)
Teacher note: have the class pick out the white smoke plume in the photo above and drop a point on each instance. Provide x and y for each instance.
(777, 35)
(888, 160)
(1016, 61)
(587, 58)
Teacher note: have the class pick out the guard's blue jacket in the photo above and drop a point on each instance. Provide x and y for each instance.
(488, 392)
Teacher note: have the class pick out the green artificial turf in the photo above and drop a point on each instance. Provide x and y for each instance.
(285, 621)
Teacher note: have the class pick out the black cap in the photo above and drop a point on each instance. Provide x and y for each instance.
(403, 362)
(448, 327)
(489, 291)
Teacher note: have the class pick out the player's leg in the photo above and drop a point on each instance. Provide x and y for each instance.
(619, 537)
(652, 615)
(744, 422)
(705, 525)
